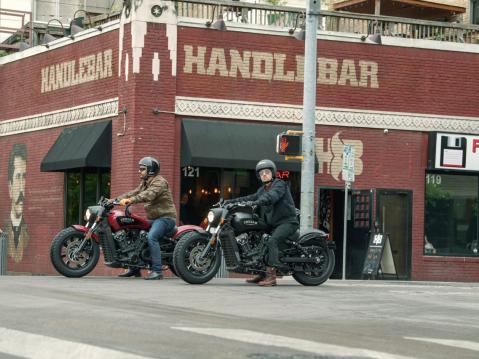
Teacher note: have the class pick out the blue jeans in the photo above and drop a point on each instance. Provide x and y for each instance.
(159, 227)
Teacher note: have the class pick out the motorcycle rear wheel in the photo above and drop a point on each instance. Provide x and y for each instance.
(316, 277)
(64, 258)
(187, 263)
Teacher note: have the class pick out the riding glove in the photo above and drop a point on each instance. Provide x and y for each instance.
(125, 202)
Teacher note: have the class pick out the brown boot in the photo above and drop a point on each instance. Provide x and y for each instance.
(270, 279)
(256, 279)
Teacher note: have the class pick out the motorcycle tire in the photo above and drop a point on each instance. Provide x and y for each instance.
(313, 280)
(66, 239)
(186, 251)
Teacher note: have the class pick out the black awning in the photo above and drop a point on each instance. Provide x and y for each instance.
(232, 144)
(78, 147)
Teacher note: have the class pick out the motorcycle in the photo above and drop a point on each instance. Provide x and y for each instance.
(239, 234)
(121, 235)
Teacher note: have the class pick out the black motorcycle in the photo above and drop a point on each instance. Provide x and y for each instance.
(239, 234)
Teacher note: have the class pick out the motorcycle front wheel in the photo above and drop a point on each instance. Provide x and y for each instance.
(188, 262)
(316, 274)
(67, 259)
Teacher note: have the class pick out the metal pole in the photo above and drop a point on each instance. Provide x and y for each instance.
(309, 116)
(3, 253)
(345, 227)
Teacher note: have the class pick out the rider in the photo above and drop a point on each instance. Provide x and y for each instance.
(280, 214)
(160, 210)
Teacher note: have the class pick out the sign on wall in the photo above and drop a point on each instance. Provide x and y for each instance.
(454, 151)
(77, 71)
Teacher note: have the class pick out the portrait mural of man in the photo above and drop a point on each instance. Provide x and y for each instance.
(15, 227)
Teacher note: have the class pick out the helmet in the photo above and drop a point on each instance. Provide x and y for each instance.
(152, 165)
(263, 164)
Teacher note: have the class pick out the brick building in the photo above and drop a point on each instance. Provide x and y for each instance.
(75, 118)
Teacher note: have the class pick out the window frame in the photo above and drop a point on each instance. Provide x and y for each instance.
(448, 173)
(81, 203)
(474, 12)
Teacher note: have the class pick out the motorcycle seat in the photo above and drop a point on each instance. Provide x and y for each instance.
(172, 232)
(294, 237)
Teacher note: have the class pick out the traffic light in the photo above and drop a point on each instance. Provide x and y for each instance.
(288, 144)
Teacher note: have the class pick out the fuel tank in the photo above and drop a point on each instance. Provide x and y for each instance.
(245, 222)
(118, 220)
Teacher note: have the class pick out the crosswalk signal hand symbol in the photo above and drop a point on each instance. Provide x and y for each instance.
(288, 145)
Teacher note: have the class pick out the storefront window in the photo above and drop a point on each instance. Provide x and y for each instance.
(451, 215)
(475, 11)
(83, 189)
(201, 187)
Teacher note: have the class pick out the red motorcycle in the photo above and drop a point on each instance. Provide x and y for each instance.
(121, 235)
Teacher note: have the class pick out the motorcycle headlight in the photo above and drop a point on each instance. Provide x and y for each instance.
(91, 213)
(87, 215)
(210, 216)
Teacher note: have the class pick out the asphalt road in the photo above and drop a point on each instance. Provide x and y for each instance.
(105, 317)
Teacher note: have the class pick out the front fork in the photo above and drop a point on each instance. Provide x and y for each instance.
(85, 239)
(210, 247)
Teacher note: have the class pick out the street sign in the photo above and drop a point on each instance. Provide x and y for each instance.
(348, 163)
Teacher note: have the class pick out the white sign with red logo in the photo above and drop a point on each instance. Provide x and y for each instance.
(457, 151)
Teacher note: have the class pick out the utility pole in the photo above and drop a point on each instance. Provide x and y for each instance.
(309, 115)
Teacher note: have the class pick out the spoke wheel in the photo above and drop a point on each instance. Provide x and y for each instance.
(316, 272)
(68, 258)
(188, 262)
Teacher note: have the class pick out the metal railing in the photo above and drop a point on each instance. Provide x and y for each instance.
(399, 27)
(15, 16)
(334, 21)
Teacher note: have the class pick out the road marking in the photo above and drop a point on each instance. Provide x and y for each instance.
(27, 345)
(260, 338)
(463, 344)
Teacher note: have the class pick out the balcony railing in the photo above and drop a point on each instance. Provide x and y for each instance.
(335, 21)
(285, 18)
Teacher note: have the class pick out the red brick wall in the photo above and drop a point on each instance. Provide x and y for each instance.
(20, 81)
(147, 133)
(410, 80)
(43, 206)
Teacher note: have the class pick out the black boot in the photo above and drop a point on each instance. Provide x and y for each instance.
(131, 272)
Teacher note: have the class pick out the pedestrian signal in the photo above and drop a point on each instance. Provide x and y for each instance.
(288, 145)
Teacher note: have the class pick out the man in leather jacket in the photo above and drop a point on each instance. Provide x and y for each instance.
(160, 210)
(280, 212)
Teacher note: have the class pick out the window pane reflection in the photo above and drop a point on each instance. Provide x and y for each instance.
(451, 215)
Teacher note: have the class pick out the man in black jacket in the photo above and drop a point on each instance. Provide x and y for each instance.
(275, 198)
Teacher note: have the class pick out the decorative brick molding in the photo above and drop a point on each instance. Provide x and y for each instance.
(270, 112)
(64, 117)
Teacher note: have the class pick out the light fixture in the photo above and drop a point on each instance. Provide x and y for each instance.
(47, 38)
(299, 34)
(23, 46)
(219, 24)
(76, 25)
(374, 33)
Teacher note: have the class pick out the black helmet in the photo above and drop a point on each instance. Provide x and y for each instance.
(263, 164)
(152, 165)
